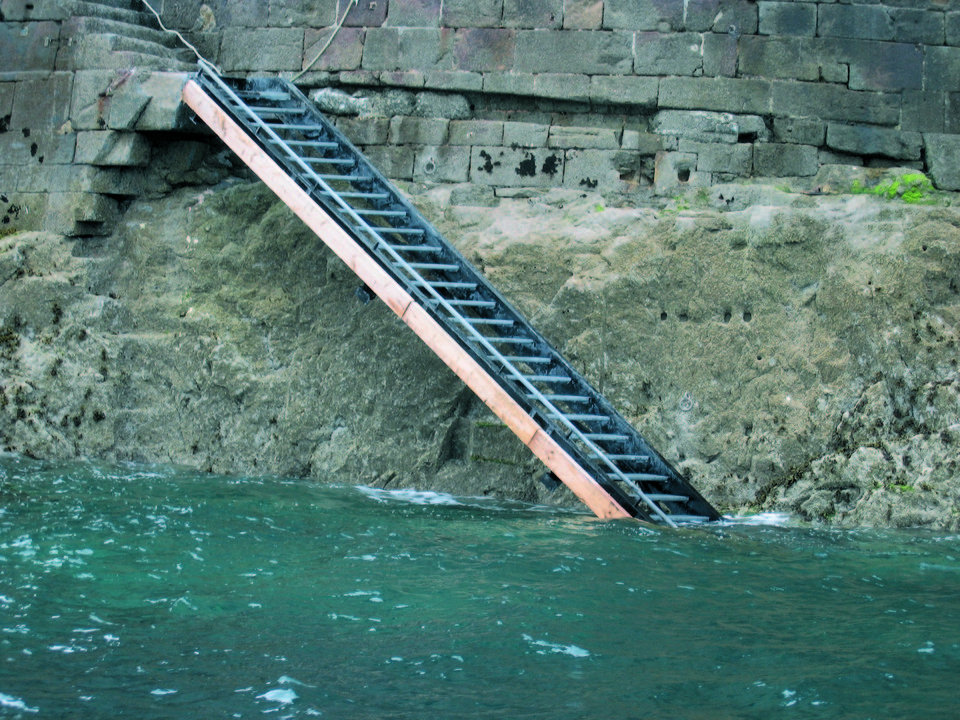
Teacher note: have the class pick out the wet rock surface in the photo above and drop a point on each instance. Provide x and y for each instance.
(789, 348)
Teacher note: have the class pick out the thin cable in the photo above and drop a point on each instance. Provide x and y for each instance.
(336, 29)
(182, 38)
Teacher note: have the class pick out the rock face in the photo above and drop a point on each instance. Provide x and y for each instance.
(786, 350)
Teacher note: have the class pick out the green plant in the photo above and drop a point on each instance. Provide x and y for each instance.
(912, 188)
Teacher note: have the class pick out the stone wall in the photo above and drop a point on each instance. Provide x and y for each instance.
(615, 94)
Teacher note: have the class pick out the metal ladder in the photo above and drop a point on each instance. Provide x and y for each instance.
(287, 127)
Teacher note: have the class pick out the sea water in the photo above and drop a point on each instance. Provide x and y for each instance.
(154, 592)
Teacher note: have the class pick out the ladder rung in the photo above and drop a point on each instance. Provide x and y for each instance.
(308, 143)
(412, 248)
(639, 477)
(667, 498)
(565, 398)
(402, 231)
(548, 379)
(348, 178)
(488, 321)
(510, 340)
(688, 518)
(435, 266)
(268, 95)
(641, 459)
(582, 417)
(263, 110)
(473, 303)
(605, 436)
(326, 160)
(295, 126)
(369, 196)
(443, 284)
(526, 359)
(381, 213)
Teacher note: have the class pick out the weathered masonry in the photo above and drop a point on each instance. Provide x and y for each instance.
(624, 96)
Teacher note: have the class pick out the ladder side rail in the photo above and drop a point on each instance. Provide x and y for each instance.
(513, 372)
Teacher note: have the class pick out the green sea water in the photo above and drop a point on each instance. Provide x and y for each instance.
(153, 592)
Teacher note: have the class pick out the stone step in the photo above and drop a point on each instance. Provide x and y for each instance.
(114, 52)
(82, 26)
(83, 8)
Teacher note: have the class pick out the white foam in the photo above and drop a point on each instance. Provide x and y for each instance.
(767, 518)
(8, 701)
(284, 696)
(414, 497)
(572, 650)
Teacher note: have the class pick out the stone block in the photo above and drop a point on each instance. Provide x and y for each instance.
(675, 172)
(525, 135)
(886, 66)
(923, 111)
(485, 49)
(34, 10)
(943, 159)
(79, 213)
(441, 105)
(261, 49)
(301, 13)
(624, 90)
(544, 14)
(418, 131)
(719, 94)
(720, 53)
(588, 53)
(395, 163)
(414, 13)
(471, 13)
(785, 160)
(832, 102)
(29, 46)
(863, 140)
(509, 167)
(918, 26)
(42, 104)
(737, 17)
(561, 86)
(952, 28)
(7, 91)
(403, 78)
(643, 15)
(45, 147)
(473, 196)
(366, 14)
(19, 212)
(582, 14)
(381, 49)
(643, 143)
(834, 72)
(453, 80)
(866, 22)
(423, 49)
(735, 159)
(775, 57)
(583, 137)
(659, 54)
(112, 148)
(344, 53)
(165, 111)
(799, 131)
(476, 132)
(591, 170)
(941, 70)
(57, 178)
(798, 19)
(951, 121)
(696, 125)
(509, 83)
(446, 164)
(365, 131)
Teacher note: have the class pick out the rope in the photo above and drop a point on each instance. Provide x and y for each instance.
(336, 29)
(183, 39)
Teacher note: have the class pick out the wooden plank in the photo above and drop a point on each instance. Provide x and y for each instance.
(398, 300)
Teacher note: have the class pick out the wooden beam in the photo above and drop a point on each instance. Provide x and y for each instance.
(401, 302)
